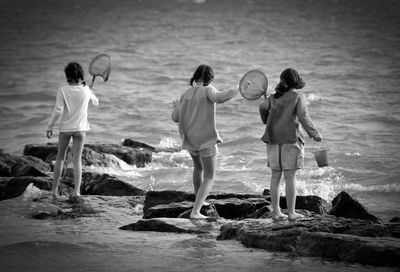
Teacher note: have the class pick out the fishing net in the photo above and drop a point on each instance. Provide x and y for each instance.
(258, 85)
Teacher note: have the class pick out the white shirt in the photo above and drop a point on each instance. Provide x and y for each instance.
(72, 105)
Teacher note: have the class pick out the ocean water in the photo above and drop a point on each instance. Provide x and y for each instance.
(346, 51)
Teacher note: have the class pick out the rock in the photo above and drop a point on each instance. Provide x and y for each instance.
(266, 192)
(369, 230)
(355, 249)
(393, 228)
(229, 208)
(16, 166)
(154, 198)
(41, 215)
(178, 210)
(320, 236)
(343, 205)
(91, 155)
(208, 210)
(177, 225)
(234, 208)
(261, 213)
(310, 203)
(45, 152)
(132, 156)
(395, 220)
(136, 144)
(103, 184)
(170, 210)
(14, 187)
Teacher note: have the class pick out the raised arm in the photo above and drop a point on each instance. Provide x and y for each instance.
(221, 96)
(93, 98)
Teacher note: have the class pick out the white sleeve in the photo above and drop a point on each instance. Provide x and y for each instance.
(57, 111)
(220, 96)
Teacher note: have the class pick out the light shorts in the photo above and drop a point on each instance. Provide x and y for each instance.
(285, 156)
(208, 152)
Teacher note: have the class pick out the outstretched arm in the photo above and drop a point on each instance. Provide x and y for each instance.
(221, 96)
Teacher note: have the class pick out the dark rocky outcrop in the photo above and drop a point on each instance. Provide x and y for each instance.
(13, 187)
(177, 225)
(319, 236)
(103, 184)
(343, 205)
(138, 157)
(154, 198)
(173, 203)
(92, 184)
(136, 144)
(366, 241)
(16, 166)
(229, 208)
(95, 154)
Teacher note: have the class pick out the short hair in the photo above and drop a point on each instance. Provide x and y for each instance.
(74, 72)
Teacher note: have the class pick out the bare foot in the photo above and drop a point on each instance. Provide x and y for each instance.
(55, 195)
(198, 216)
(294, 216)
(279, 216)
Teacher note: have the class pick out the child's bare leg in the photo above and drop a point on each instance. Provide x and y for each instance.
(63, 142)
(290, 179)
(77, 148)
(209, 164)
(274, 186)
(197, 172)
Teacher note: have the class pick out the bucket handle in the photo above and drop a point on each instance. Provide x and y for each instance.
(325, 145)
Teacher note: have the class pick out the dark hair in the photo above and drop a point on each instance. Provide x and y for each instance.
(203, 73)
(290, 79)
(74, 73)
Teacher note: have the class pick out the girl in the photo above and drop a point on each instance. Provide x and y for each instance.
(282, 112)
(72, 105)
(195, 112)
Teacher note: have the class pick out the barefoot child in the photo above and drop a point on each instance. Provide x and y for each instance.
(72, 106)
(195, 112)
(282, 112)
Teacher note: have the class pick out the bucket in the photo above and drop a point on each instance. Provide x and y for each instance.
(321, 156)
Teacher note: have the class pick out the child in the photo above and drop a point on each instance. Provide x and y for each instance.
(282, 112)
(195, 112)
(72, 105)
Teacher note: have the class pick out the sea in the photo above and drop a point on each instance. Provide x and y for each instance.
(345, 50)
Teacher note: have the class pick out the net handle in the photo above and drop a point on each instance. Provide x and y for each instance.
(91, 84)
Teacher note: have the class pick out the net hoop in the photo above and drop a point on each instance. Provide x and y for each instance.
(100, 66)
(258, 85)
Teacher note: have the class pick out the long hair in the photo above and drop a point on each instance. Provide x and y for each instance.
(203, 73)
(74, 73)
(289, 79)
